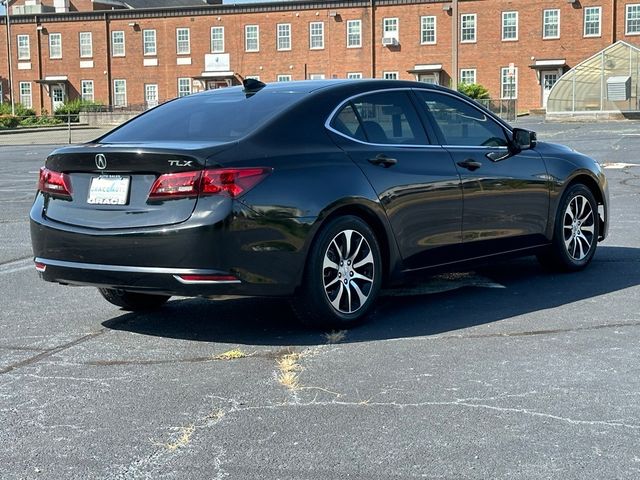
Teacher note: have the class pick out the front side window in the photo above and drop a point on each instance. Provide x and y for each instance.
(468, 28)
(151, 95)
(354, 33)
(149, 42)
(119, 93)
(632, 18)
(55, 45)
(217, 39)
(86, 45)
(184, 87)
(460, 123)
(251, 38)
(117, 43)
(592, 17)
(284, 36)
(551, 23)
(25, 94)
(87, 90)
(183, 41)
(382, 118)
(428, 30)
(508, 83)
(24, 50)
(316, 35)
(509, 26)
(468, 75)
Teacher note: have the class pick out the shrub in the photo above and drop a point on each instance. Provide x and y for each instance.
(40, 121)
(72, 108)
(8, 121)
(21, 111)
(473, 90)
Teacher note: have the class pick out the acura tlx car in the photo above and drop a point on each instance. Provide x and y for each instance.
(322, 191)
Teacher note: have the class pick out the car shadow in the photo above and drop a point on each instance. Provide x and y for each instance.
(264, 321)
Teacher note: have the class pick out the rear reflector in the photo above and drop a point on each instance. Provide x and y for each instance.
(191, 279)
(55, 184)
(220, 181)
(41, 267)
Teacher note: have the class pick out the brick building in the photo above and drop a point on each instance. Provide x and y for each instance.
(123, 53)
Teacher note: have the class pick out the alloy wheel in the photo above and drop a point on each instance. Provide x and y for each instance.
(578, 227)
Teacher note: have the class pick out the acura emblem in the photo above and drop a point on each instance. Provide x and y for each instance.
(101, 161)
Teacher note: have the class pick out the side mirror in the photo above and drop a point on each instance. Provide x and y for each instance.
(524, 139)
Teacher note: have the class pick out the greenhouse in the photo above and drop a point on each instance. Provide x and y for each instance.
(606, 83)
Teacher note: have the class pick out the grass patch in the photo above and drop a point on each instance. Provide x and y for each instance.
(182, 440)
(234, 354)
(290, 370)
(335, 336)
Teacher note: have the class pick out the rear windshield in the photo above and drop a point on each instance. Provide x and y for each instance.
(221, 116)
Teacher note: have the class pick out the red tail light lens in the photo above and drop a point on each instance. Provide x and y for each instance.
(54, 183)
(219, 181)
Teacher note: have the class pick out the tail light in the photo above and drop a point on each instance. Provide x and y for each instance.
(219, 181)
(54, 183)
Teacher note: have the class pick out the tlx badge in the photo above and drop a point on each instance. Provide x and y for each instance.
(180, 163)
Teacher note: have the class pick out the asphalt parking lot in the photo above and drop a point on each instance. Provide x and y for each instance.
(503, 372)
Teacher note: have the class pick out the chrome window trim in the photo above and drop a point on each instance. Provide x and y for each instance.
(334, 112)
(127, 268)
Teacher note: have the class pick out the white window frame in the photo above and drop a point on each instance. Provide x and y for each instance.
(217, 41)
(474, 73)
(26, 94)
(58, 47)
(587, 11)
(146, 95)
(316, 35)
(354, 75)
(283, 34)
(426, 29)
(85, 45)
(317, 76)
(183, 45)
(122, 82)
(635, 7)
(354, 33)
(284, 77)
(466, 17)
(183, 83)
(253, 77)
(24, 51)
(503, 83)
(87, 90)
(390, 75)
(256, 30)
(391, 28)
(149, 43)
(545, 23)
(505, 15)
(115, 40)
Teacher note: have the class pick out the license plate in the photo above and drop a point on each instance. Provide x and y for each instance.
(109, 190)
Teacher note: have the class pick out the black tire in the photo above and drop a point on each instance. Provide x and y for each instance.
(359, 276)
(575, 238)
(133, 301)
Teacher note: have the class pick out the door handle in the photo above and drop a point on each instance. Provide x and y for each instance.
(470, 164)
(383, 160)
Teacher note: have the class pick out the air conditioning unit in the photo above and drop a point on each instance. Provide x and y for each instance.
(389, 41)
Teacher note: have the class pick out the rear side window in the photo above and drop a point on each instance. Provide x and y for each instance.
(221, 116)
(383, 118)
(460, 123)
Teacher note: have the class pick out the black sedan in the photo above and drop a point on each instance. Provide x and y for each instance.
(319, 191)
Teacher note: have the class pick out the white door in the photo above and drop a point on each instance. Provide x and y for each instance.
(57, 96)
(548, 80)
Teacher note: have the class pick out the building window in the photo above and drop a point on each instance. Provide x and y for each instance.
(151, 95)
(468, 75)
(251, 38)
(390, 28)
(25, 94)
(284, 36)
(468, 28)
(254, 77)
(55, 46)
(86, 45)
(86, 90)
(283, 78)
(316, 35)
(183, 42)
(217, 39)
(632, 19)
(316, 76)
(184, 87)
(117, 43)
(390, 75)
(119, 93)
(427, 30)
(149, 45)
(509, 83)
(354, 75)
(509, 26)
(551, 24)
(24, 51)
(354, 33)
(592, 16)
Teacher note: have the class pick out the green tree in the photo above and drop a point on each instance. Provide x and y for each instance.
(473, 90)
